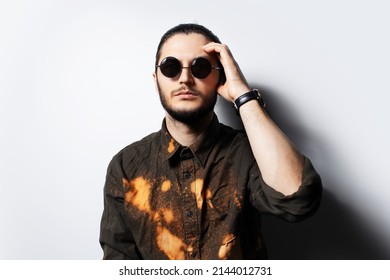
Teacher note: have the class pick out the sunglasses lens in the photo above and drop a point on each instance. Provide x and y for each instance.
(201, 68)
(170, 67)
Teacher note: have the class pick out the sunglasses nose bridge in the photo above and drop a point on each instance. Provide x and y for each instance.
(186, 73)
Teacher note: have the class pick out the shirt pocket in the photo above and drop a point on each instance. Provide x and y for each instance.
(219, 203)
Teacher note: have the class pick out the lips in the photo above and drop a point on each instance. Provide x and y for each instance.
(185, 93)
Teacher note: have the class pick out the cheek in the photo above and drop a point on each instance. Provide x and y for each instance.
(214, 77)
(211, 83)
(164, 84)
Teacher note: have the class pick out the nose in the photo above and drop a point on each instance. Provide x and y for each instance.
(186, 75)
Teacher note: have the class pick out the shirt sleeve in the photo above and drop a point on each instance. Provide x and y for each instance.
(116, 238)
(293, 208)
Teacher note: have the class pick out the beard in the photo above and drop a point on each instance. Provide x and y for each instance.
(188, 116)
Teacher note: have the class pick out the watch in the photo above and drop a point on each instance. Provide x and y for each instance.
(251, 95)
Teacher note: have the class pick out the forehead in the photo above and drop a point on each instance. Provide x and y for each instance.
(184, 46)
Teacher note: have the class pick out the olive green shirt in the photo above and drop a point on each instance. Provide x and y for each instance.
(205, 201)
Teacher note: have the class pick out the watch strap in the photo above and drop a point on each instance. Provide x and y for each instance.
(251, 95)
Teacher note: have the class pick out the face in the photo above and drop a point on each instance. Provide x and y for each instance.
(184, 97)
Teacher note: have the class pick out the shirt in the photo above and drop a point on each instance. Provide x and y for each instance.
(166, 201)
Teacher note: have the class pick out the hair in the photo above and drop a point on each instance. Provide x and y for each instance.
(186, 28)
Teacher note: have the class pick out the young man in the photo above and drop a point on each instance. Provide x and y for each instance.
(196, 189)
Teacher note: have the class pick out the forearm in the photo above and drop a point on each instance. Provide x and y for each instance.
(280, 163)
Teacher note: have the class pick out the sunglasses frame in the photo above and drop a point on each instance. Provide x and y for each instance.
(191, 67)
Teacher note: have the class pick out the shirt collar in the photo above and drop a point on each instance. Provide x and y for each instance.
(201, 148)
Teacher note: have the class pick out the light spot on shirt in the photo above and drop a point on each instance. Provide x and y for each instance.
(165, 186)
(170, 244)
(171, 146)
(237, 201)
(196, 188)
(138, 193)
(167, 215)
(227, 246)
(208, 197)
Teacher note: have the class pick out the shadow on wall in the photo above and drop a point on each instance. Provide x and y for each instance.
(335, 232)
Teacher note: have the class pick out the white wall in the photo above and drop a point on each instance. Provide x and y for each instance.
(76, 86)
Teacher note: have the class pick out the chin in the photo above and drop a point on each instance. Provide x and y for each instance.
(189, 112)
(189, 116)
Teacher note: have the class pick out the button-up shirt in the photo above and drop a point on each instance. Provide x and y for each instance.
(166, 201)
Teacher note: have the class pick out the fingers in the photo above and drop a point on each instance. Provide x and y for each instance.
(222, 51)
(232, 70)
(235, 81)
(224, 55)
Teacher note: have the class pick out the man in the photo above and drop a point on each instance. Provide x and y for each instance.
(196, 189)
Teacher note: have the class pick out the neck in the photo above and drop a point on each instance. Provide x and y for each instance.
(187, 134)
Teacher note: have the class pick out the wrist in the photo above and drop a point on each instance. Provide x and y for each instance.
(246, 97)
(239, 92)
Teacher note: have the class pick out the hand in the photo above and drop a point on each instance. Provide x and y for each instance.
(236, 84)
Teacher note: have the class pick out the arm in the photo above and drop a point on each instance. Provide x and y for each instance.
(280, 163)
(116, 238)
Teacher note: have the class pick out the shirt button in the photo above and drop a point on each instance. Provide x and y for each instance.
(189, 213)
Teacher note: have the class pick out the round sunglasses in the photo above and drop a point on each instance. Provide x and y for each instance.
(200, 67)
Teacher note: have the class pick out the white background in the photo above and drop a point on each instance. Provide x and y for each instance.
(76, 86)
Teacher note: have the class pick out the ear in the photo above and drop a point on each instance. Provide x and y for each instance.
(155, 80)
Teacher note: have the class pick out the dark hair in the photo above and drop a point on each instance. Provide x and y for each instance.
(186, 28)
